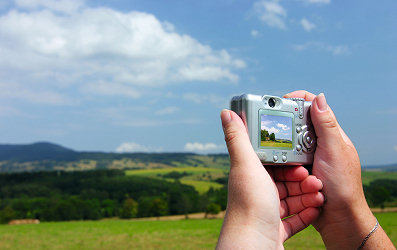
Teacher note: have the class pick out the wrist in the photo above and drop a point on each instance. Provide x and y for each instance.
(346, 228)
(242, 231)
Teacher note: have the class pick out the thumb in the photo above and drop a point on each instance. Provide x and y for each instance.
(324, 122)
(237, 140)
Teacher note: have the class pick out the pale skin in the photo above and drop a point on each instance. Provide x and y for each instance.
(346, 218)
(258, 199)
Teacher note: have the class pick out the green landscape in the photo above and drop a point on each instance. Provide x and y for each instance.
(133, 234)
(94, 200)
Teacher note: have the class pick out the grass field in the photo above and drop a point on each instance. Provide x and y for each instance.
(276, 144)
(124, 234)
(368, 176)
(200, 178)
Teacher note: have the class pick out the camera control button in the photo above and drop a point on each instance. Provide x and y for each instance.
(298, 129)
(298, 147)
(275, 158)
(308, 139)
(284, 158)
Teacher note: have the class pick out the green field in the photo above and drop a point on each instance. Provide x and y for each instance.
(124, 234)
(276, 144)
(201, 178)
(368, 176)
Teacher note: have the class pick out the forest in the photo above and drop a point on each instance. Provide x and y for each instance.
(96, 194)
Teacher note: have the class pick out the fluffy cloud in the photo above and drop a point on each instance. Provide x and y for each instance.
(307, 25)
(203, 147)
(282, 126)
(271, 13)
(335, 50)
(64, 44)
(129, 147)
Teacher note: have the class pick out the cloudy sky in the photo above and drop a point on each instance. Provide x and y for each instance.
(279, 125)
(153, 76)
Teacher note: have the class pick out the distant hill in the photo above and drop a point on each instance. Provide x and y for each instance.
(389, 167)
(48, 156)
(36, 152)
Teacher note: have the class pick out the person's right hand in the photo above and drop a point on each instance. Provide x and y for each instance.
(346, 218)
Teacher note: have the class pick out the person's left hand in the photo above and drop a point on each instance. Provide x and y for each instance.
(259, 198)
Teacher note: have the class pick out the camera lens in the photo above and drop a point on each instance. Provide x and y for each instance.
(272, 102)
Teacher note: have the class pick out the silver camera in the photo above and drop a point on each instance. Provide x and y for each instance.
(280, 129)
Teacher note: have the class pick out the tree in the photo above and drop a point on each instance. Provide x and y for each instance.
(129, 209)
(212, 209)
(272, 137)
(184, 205)
(158, 207)
(379, 195)
(6, 214)
(264, 135)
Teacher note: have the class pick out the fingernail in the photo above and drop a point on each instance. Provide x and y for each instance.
(321, 102)
(322, 185)
(286, 95)
(225, 117)
(325, 198)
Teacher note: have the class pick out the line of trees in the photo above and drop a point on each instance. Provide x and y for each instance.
(91, 195)
(380, 192)
(265, 136)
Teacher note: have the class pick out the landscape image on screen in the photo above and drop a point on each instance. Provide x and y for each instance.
(276, 131)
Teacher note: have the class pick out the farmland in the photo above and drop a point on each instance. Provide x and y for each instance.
(138, 234)
(201, 178)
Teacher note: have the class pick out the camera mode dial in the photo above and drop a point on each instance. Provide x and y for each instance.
(307, 139)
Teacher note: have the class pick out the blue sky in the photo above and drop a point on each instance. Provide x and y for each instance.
(279, 125)
(153, 75)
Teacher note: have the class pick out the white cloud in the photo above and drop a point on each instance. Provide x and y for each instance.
(65, 44)
(317, 1)
(203, 147)
(270, 130)
(129, 147)
(307, 25)
(254, 33)
(271, 13)
(167, 110)
(34, 95)
(282, 126)
(335, 50)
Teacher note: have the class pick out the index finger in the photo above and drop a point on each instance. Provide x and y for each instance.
(301, 94)
(287, 173)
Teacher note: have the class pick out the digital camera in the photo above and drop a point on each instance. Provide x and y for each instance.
(280, 129)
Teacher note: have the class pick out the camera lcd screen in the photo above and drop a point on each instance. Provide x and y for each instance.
(276, 130)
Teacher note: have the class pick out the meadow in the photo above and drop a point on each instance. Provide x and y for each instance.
(140, 234)
(277, 144)
(201, 178)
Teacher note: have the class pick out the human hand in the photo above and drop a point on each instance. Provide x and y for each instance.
(346, 218)
(258, 199)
